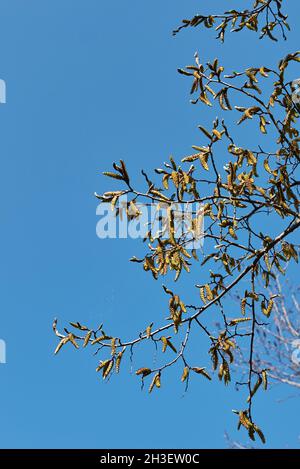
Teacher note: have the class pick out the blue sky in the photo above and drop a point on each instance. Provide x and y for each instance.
(89, 82)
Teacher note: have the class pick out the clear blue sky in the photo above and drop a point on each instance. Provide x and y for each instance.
(89, 82)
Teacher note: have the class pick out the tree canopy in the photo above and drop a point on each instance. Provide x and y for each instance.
(241, 251)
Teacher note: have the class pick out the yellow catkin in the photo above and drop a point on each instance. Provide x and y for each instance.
(185, 374)
(264, 379)
(87, 338)
(118, 361)
(244, 420)
(148, 332)
(113, 346)
(155, 382)
(102, 365)
(143, 371)
(209, 293)
(165, 343)
(202, 295)
(107, 369)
